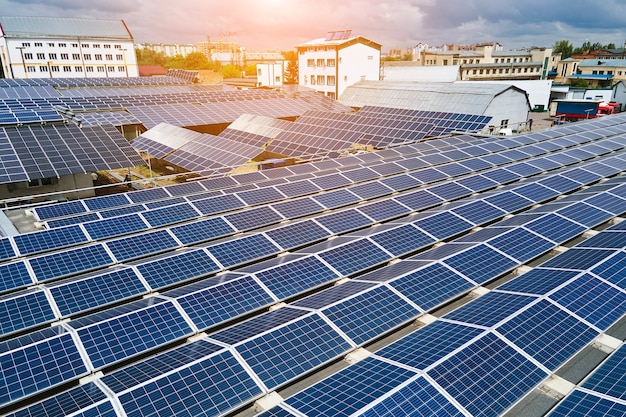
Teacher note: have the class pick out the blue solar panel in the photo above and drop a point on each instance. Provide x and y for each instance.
(200, 231)
(370, 314)
(170, 214)
(609, 377)
(23, 310)
(14, 275)
(521, 244)
(560, 183)
(67, 208)
(211, 390)
(242, 250)
(428, 175)
(253, 218)
(478, 212)
(443, 225)
(60, 264)
(509, 201)
(333, 294)
(480, 263)
(582, 176)
(490, 309)
(593, 300)
(355, 256)
(584, 404)
(576, 258)
(536, 192)
(449, 191)
(28, 367)
(403, 240)
(68, 221)
(260, 196)
(487, 376)
(370, 190)
(454, 169)
(337, 198)
(177, 268)
(297, 234)
(312, 343)
(343, 221)
(148, 194)
(29, 243)
(295, 277)
(607, 202)
(292, 209)
(613, 270)
(501, 175)
(107, 201)
(523, 169)
(384, 210)
(548, 334)
(555, 228)
(6, 249)
(477, 183)
(122, 211)
(115, 226)
(214, 205)
(142, 244)
(431, 286)
(349, 390)
(85, 398)
(401, 182)
(606, 240)
(96, 290)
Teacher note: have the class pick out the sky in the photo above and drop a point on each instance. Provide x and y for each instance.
(280, 25)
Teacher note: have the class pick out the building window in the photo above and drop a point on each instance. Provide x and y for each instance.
(320, 62)
(74, 45)
(87, 56)
(119, 57)
(445, 62)
(504, 123)
(26, 44)
(312, 79)
(345, 78)
(474, 72)
(67, 68)
(330, 80)
(111, 69)
(109, 57)
(76, 56)
(121, 69)
(43, 68)
(310, 62)
(370, 57)
(330, 62)
(31, 68)
(78, 68)
(331, 94)
(107, 46)
(480, 71)
(38, 44)
(89, 69)
(65, 56)
(52, 56)
(96, 45)
(54, 68)
(320, 80)
(62, 45)
(98, 57)
(85, 45)
(259, 72)
(41, 56)
(117, 46)
(51, 45)
(28, 56)
(100, 68)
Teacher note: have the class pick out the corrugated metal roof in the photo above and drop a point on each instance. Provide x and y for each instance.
(449, 97)
(61, 27)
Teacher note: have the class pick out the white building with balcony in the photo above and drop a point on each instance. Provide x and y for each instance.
(329, 65)
(51, 47)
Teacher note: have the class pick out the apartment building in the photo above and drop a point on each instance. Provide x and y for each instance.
(50, 47)
(329, 65)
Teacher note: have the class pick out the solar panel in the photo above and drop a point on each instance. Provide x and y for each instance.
(488, 376)
(298, 234)
(37, 362)
(34, 242)
(130, 330)
(384, 210)
(508, 201)
(355, 256)
(582, 296)
(337, 198)
(431, 286)
(24, 309)
(343, 221)
(350, 390)
(443, 225)
(312, 343)
(490, 309)
(202, 230)
(141, 244)
(52, 211)
(253, 218)
(64, 263)
(403, 240)
(168, 269)
(115, 226)
(96, 290)
(300, 207)
(370, 314)
(242, 250)
(478, 212)
(14, 275)
(213, 205)
(580, 403)
(521, 244)
(171, 214)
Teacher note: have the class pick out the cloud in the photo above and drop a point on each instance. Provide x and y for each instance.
(283, 24)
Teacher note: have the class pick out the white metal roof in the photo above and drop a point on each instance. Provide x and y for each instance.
(60, 27)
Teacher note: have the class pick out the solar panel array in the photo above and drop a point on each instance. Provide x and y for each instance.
(402, 232)
(35, 152)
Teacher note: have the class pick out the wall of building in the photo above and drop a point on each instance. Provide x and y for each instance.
(356, 63)
(67, 58)
(510, 106)
(63, 187)
(270, 74)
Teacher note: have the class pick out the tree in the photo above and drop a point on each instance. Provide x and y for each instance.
(564, 48)
(290, 75)
(146, 56)
(196, 61)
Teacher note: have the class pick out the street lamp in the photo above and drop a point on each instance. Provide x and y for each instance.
(125, 66)
(21, 48)
(50, 68)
